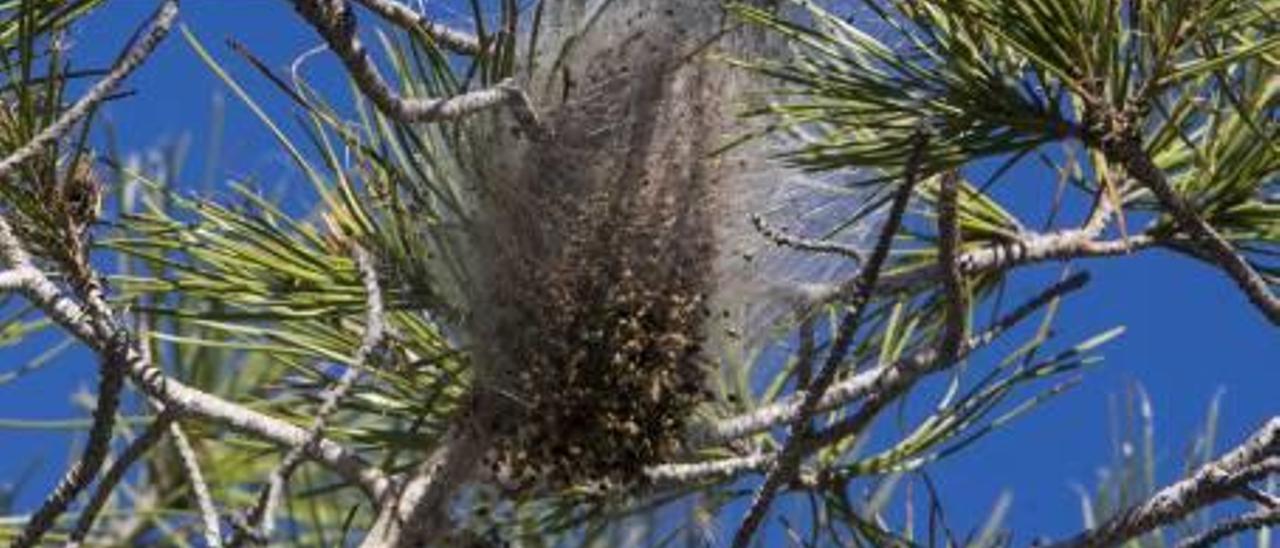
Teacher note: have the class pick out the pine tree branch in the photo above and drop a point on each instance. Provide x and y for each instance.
(83, 472)
(113, 343)
(1266, 500)
(784, 468)
(781, 238)
(765, 418)
(419, 512)
(261, 519)
(1257, 519)
(336, 23)
(157, 28)
(1124, 147)
(70, 315)
(111, 383)
(1257, 458)
(199, 488)
(957, 302)
(895, 383)
(115, 474)
(1030, 248)
(867, 384)
(407, 18)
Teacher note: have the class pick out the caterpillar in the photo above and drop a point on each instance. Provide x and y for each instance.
(617, 261)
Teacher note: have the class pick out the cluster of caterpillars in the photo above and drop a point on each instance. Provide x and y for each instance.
(603, 262)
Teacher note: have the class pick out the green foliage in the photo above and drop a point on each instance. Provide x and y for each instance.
(1003, 79)
(263, 305)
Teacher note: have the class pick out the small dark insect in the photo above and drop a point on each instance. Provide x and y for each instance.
(567, 80)
(80, 194)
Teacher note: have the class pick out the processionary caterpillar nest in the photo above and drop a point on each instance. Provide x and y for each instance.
(614, 256)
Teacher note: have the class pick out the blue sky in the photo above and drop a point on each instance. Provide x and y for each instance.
(1190, 334)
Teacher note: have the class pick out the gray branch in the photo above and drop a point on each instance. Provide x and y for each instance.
(409, 19)
(783, 470)
(781, 238)
(113, 349)
(897, 382)
(957, 302)
(883, 379)
(419, 512)
(1264, 499)
(261, 519)
(1125, 148)
(679, 474)
(115, 474)
(1257, 519)
(336, 23)
(1256, 458)
(70, 315)
(199, 488)
(110, 385)
(1030, 248)
(1035, 247)
(134, 57)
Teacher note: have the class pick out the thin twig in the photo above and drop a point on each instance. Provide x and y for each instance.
(199, 488)
(116, 472)
(807, 352)
(336, 23)
(957, 305)
(70, 315)
(686, 473)
(1256, 519)
(1028, 249)
(1124, 147)
(419, 513)
(881, 379)
(110, 385)
(784, 468)
(407, 18)
(113, 349)
(113, 358)
(261, 519)
(781, 238)
(765, 418)
(83, 472)
(158, 27)
(890, 387)
(1256, 458)
(1106, 203)
(1265, 500)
